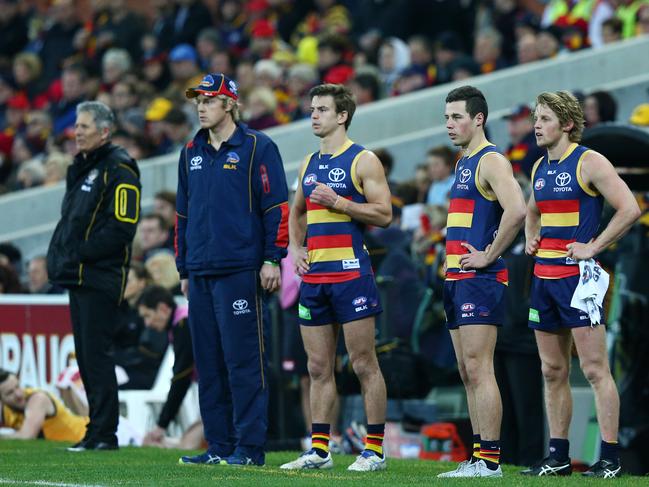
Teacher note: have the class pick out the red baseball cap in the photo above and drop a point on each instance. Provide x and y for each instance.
(213, 85)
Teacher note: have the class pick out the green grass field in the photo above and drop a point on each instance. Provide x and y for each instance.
(48, 464)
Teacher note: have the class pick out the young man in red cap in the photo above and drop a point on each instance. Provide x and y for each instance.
(231, 232)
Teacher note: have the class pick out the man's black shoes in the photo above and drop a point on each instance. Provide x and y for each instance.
(87, 445)
(549, 466)
(604, 469)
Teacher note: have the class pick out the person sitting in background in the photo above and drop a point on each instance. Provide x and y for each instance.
(164, 204)
(153, 235)
(522, 151)
(612, 30)
(138, 350)
(439, 163)
(599, 107)
(38, 282)
(159, 310)
(640, 115)
(162, 267)
(34, 413)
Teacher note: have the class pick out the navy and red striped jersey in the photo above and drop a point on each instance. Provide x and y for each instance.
(570, 211)
(334, 241)
(473, 217)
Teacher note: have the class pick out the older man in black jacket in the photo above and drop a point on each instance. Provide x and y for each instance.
(90, 253)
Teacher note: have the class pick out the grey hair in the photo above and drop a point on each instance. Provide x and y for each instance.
(101, 114)
(118, 57)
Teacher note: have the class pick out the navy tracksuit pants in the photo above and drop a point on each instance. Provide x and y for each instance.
(228, 317)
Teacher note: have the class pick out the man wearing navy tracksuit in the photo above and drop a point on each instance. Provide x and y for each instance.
(231, 232)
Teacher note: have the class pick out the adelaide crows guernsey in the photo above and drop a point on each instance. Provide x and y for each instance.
(334, 241)
(473, 217)
(570, 211)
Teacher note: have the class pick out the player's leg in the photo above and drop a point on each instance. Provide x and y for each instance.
(591, 347)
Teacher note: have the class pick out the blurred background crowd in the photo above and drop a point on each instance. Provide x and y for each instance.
(138, 57)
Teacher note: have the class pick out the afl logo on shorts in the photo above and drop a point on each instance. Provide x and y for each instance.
(467, 307)
(539, 184)
(310, 179)
(359, 301)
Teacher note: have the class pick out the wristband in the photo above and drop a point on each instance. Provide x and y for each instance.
(271, 262)
(340, 204)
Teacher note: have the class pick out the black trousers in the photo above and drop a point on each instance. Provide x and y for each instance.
(522, 435)
(94, 317)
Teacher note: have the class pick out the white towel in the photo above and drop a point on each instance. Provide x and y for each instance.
(590, 292)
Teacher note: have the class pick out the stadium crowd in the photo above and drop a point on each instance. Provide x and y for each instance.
(139, 60)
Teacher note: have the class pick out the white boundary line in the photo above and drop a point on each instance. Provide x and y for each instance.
(43, 482)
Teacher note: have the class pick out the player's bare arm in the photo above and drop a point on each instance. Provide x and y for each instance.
(597, 172)
(297, 230)
(532, 227)
(38, 407)
(497, 176)
(371, 176)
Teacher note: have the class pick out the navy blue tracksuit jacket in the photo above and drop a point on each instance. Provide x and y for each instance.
(232, 215)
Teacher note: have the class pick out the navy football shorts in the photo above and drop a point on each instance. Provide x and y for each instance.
(340, 302)
(474, 302)
(550, 307)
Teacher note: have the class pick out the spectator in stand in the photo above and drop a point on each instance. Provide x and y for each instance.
(221, 62)
(440, 163)
(31, 173)
(421, 182)
(162, 267)
(190, 18)
(9, 282)
(154, 116)
(267, 74)
(332, 64)
(232, 23)
(522, 151)
(13, 30)
(159, 310)
(38, 282)
(599, 107)
(120, 27)
(603, 11)
(611, 30)
(409, 80)
(56, 167)
(487, 51)
(548, 42)
(262, 40)
(300, 79)
(421, 57)
(394, 57)
(164, 204)
(73, 85)
(115, 65)
(366, 87)
(155, 69)
(177, 128)
(12, 256)
(207, 43)
(183, 61)
(640, 115)
(464, 67)
(56, 39)
(448, 48)
(642, 20)
(260, 112)
(387, 161)
(27, 69)
(527, 49)
(152, 234)
(7, 90)
(135, 145)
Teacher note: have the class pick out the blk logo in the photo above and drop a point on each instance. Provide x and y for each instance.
(337, 174)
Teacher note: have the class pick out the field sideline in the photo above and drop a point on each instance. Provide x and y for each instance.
(48, 464)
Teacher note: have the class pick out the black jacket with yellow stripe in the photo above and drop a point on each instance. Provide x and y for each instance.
(91, 245)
